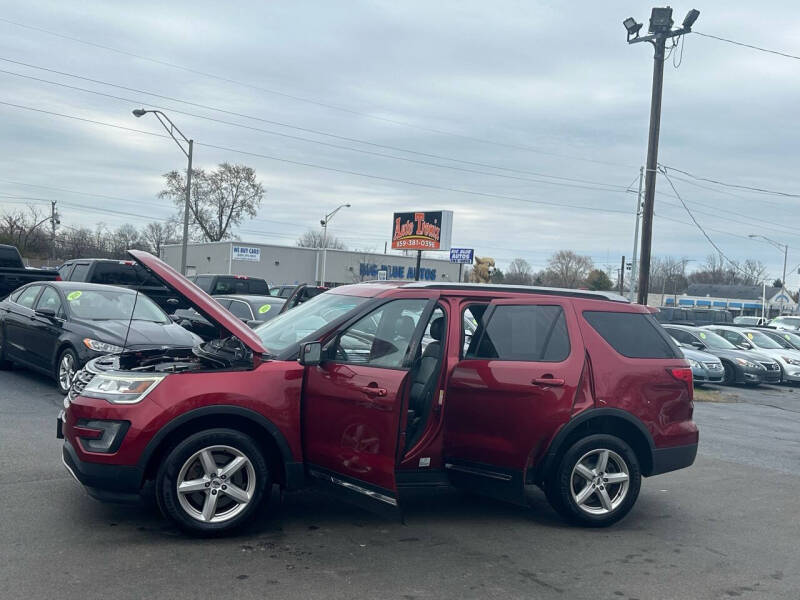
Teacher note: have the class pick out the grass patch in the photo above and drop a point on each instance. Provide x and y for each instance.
(709, 395)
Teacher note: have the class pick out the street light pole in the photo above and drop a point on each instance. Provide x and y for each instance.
(636, 235)
(324, 223)
(779, 246)
(172, 130)
(660, 30)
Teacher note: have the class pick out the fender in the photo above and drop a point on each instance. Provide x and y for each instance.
(294, 469)
(556, 445)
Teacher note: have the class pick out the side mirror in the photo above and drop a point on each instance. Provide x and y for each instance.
(310, 354)
(185, 323)
(698, 345)
(745, 346)
(47, 313)
(252, 323)
(174, 318)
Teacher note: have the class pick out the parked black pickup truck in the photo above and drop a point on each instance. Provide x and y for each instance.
(14, 273)
(125, 273)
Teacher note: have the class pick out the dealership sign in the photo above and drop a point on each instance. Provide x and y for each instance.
(430, 230)
(383, 272)
(462, 256)
(246, 253)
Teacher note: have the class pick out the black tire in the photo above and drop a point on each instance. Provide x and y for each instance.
(181, 462)
(729, 378)
(564, 482)
(4, 363)
(65, 354)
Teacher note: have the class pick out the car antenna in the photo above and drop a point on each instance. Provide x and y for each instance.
(130, 321)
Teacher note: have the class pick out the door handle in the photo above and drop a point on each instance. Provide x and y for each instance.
(548, 381)
(374, 391)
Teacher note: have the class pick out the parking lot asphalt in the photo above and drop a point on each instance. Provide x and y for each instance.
(725, 528)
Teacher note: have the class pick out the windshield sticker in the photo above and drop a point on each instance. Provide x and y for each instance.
(749, 336)
(702, 335)
(72, 296)
(786, 337)
(264, 308)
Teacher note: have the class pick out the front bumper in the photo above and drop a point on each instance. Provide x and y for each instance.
(673, 458)
(108, 483)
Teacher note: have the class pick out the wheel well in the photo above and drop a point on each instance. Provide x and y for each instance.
(261, 436)
(611, 425)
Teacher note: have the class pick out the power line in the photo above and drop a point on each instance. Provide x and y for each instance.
(733, 185)
(330, 169)
(700, 227)
(751, 46)
(613, 187)
(271, 122)
(307, 100)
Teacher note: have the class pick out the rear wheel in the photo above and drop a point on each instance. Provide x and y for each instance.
(597, 481)
(212, 482)
(4, 362)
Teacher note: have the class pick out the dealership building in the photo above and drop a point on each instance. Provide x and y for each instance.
(291, 264)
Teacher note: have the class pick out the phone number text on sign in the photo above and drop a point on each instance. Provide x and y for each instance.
(417, 244)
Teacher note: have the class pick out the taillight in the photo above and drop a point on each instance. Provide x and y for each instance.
(58, 278)
(684, 374)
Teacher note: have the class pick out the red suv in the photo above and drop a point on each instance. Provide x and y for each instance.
(379, 388)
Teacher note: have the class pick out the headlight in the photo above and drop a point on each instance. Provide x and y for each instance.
(791, 361)
(120, 389)
(99, 346)
(747, 363)
(694, 364)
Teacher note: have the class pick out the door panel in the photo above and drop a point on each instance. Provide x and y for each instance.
(19, 325)
(354, 401)
(501, 410)
(351, 420)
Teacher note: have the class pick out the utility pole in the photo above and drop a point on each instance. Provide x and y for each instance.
(622, 277)
(660, 31)
(636, 235)
(54, 221)
(419, 263)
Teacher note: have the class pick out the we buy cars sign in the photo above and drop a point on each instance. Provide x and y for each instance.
(429, 230)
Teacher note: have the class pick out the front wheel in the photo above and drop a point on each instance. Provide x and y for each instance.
(66, 366)
(729, 378)
(597, 481)
(212, 482)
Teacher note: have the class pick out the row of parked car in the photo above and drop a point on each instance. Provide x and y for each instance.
(90, 307)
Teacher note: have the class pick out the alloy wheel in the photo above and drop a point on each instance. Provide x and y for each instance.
(599, 482)
(215, 484)
(66, 371)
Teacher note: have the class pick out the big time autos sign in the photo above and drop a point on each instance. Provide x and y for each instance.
(429, 230)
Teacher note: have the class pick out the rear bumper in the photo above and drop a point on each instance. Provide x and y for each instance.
(672, 459)
(108, 483)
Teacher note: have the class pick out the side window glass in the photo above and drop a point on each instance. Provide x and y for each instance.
(470, 328)
(50, 299)
(382, 337)
(536, 333)
(203, 282)
(27, 297)
(65, 271)
(80, 273)
(240, 310)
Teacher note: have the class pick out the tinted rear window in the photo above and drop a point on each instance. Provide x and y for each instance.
(234, 285)
(80, 272)
(536, 333)
(110, 273)
(634, 335)
(9, 258)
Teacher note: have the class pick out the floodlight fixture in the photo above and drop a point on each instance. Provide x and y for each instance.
(690, 18)
(139, 112)
(661, 20)
(632, 27)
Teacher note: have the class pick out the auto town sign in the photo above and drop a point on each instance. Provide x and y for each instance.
(395, 271)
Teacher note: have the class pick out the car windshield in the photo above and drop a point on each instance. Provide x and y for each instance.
(762, 341)
(790, 321)
(97, 305)
(712, 340)
(779, 339)
(792, 338)
(311, 316)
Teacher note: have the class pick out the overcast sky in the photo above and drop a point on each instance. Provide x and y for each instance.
(530, 94)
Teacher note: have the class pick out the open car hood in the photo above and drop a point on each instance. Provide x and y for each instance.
(199, 300)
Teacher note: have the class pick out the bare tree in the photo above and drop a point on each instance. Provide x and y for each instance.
(519, 272)
(23, 229)
(313, 239)
(158, 234)
(668, 275)
(220, 199)
(567, 269)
